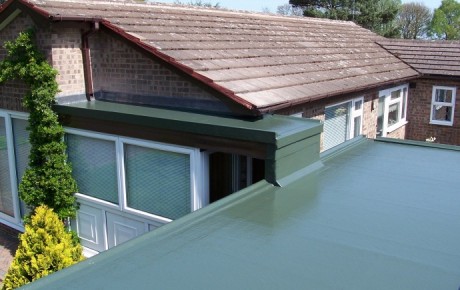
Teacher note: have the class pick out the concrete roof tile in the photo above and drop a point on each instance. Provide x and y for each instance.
(428, 57)
(264, 59)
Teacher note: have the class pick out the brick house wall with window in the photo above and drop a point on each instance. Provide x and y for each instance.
(316, 110)
(420, 105)
(434, 107)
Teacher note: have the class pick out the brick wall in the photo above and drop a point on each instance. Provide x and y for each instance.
(419, 106)
(67, 59)
(11, 92)
(60, 45)
(315, 110)
(137, 78)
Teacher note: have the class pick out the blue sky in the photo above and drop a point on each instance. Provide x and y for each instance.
(258, 5)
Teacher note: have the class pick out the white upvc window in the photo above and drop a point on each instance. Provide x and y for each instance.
(392, 110)
(149, 179)
(443, 105)
(14, 157)
(342, 122)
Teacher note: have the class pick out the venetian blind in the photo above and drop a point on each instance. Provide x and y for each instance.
(94, 166)
(157, 182)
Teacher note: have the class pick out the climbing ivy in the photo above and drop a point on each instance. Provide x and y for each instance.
(48, 180)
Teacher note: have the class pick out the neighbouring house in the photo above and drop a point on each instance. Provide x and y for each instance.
(433, 108)
(170, 108)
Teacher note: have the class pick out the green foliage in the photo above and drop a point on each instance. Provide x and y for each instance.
(376, 15)
(45, 247)
(413, 20)
(332, 9)
(48, 180)
(446, 21)
(198, 3)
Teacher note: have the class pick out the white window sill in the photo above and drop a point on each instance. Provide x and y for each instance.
(449, 124)
(396, 126)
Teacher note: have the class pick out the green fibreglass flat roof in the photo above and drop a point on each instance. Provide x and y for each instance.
(272, 129)
(377, 215)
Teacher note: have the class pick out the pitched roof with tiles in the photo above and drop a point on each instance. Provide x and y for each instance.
(260, 61)
(428, 57)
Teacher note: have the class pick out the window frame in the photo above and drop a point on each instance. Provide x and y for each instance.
(353, 113)
(199, 196)
(444, 104)
(14, 221)
(402, 101)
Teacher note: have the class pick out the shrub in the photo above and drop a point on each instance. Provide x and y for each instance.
(45, 247)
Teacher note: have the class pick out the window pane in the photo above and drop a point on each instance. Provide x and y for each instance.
(6, 196)
(357, 126)
(21, 150)
(393, 114)
(380, 116)
(157, 182)
(336, 125)
(94, 166)
(444, 96)
(358, 105)
(404, 100)
(442, 113)
(395, 94)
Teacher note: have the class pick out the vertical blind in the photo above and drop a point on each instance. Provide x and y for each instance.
(21, 150)
(336, 125)
(157, 182)
(6, 196)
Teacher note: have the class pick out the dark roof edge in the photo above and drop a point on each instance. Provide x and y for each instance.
(189, 71)
(271, 109)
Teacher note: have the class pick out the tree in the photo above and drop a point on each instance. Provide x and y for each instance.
(332, 9)
(446, 21)
(289, 10)
(376, 15)
(413, 20)
(198, 3)
(48, 179)
(45, 247)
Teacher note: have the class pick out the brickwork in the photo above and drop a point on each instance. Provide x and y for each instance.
(11, 92)
(315, 110)
(67, 59)
(118, 67)
(399, 133)
(61, 46)
(419, 127)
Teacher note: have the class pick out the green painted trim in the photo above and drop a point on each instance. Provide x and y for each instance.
(271, 129)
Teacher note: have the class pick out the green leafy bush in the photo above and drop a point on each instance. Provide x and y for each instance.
(45, 247)
(48, 180)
